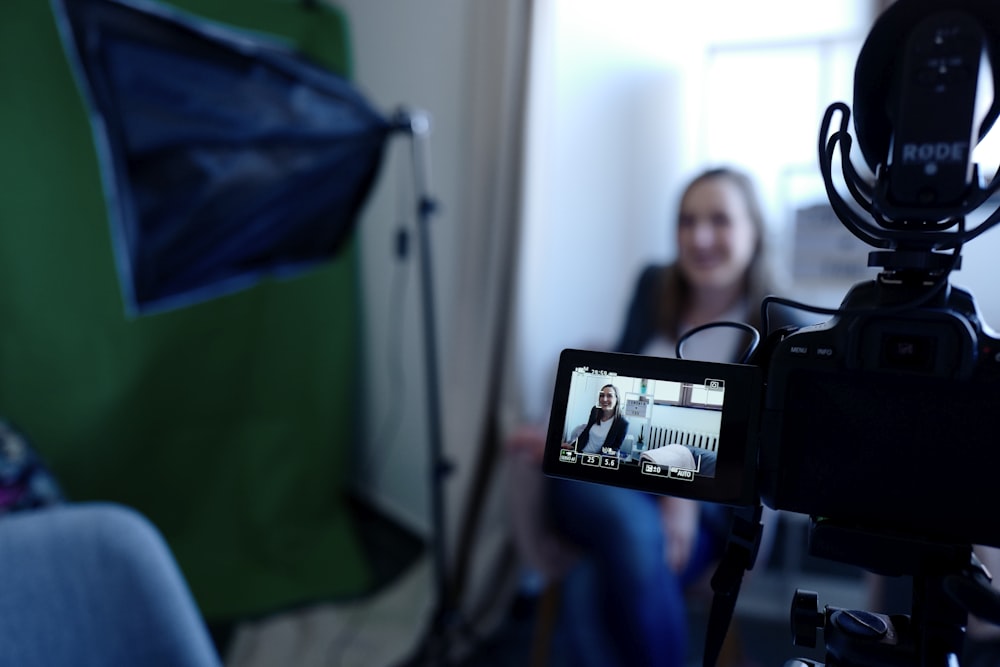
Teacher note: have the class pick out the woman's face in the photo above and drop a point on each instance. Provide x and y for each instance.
(715, 234)
(607, 399)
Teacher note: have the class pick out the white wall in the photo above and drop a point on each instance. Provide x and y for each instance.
(611, 101)
(412, 54)
(687, 419)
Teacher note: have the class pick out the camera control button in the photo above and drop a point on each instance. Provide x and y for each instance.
(798, 350)
(824, 352)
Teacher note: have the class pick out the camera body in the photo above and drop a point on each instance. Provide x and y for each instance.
(886, 418)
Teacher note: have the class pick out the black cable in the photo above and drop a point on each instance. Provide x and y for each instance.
(743, 326)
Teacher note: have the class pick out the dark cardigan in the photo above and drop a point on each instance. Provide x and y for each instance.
(640, 320)
(616, 434)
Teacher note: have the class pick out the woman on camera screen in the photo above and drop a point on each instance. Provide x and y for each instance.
(605, 431)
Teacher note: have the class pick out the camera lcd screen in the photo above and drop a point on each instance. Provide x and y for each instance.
(667, 426)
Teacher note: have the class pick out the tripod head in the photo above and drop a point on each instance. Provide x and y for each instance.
(948, 583)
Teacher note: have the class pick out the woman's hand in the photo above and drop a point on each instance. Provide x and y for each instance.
(680, 529)
(527, 441)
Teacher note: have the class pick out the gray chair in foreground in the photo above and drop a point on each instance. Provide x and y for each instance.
(94, 584)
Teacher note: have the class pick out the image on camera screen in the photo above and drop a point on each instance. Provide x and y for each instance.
(666, 427)
(662, 425)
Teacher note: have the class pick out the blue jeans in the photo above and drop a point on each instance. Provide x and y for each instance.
(91, 585)
(622, 605)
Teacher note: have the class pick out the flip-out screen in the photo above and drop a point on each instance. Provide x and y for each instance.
(668, 426)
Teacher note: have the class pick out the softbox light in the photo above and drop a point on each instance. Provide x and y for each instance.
(225, 156)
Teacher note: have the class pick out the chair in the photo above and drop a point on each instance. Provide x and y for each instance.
(548, 555)
(540, 549)
(94, 584)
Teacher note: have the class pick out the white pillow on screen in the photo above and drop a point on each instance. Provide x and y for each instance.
(674, 456)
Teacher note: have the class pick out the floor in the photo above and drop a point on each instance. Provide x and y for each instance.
(762, 613)
(383, 629)
(762, 618)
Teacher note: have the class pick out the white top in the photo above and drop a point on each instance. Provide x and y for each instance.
(598, 434)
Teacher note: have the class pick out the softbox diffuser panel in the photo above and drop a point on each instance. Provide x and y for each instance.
(225, 155)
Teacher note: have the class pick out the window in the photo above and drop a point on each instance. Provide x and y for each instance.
(626, 100)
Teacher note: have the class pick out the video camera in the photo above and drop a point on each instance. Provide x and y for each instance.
(882, 423)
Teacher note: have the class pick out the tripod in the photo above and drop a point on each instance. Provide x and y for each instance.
(948, 582)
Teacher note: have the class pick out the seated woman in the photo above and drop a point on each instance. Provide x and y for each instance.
(605, 431)
(624, 600)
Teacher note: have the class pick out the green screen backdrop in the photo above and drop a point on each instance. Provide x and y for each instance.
(230, 423)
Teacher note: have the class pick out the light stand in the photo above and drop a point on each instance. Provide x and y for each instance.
(250, 106)
(435, 646)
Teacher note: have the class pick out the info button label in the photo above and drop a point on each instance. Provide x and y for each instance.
(825, 352)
